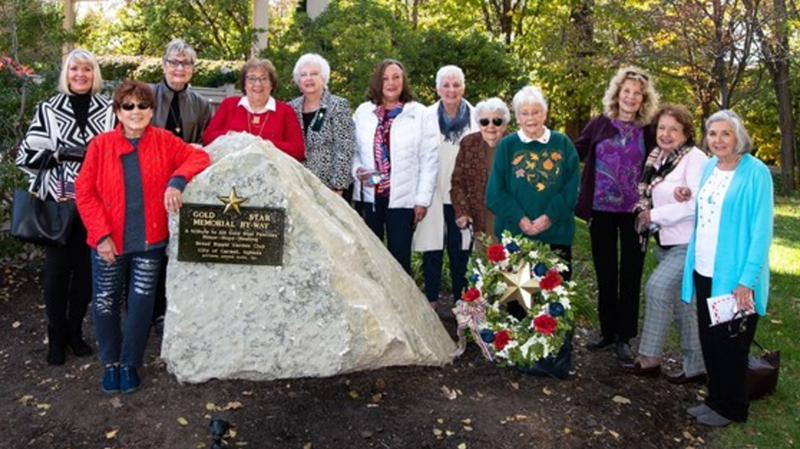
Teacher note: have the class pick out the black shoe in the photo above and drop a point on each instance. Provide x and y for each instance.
(56, 345)
(636, 369)
(599, 342)
(681, 378)
(75, 340)
(623, 351)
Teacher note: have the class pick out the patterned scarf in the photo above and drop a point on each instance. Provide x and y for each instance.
(380, 147)
(453, 128)
(652, 176)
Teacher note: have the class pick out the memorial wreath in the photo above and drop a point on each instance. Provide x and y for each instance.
(526, 272)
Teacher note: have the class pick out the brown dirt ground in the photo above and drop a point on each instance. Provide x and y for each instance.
(408, 407)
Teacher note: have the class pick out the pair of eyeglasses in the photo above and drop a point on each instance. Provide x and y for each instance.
(143, 106)
(632, 73)
(174, 64)
(497, 121)
(741, 328)
(256, 80)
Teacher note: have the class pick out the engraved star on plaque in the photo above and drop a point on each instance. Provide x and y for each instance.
(232, 201)
(520, 287)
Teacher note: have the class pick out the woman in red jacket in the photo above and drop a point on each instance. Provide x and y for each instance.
(258, 112)
(130, 178)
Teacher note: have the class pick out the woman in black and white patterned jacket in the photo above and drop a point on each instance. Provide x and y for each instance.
(55, 142)
(328, 128)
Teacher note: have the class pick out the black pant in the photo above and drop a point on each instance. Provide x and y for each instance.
(725, 352)
(396, 224)
(618, 284)
(68, 280)
(432, 260)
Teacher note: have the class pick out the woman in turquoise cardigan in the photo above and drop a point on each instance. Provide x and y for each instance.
(729, 254)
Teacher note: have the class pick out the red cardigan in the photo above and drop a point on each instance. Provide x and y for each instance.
(281, 127)
(100, 188)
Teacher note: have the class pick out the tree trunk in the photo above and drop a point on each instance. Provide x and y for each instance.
(582, 18)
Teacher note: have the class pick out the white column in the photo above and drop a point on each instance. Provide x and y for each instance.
(260, 20)
(69, 23)
(315, 7)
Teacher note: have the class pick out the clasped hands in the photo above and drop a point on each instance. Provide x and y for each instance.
(534, 227)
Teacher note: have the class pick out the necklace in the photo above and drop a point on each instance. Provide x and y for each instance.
(176, 120)
(255, 119)
(626, 131)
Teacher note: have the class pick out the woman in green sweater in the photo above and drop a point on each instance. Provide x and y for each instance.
(533, 186)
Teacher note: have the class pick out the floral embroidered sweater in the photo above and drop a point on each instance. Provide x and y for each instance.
(531, 179)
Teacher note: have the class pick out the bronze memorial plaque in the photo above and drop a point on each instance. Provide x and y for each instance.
(241, 235)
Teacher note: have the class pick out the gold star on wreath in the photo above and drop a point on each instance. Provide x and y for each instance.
(520, 287)
(232, 201)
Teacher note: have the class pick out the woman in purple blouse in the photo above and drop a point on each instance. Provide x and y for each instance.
(614, 146)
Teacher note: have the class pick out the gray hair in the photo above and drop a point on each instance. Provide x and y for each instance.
(448, 71)
(743, 142)
(529, 95)
(491, 106)
(86, 57)
(178, 47)
(312, 58)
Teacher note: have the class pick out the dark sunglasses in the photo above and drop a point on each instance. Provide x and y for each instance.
(141, 106)
(741, 328)
(485, 121)
(632, 73)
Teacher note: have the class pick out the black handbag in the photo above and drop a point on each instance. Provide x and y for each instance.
(39, 221)
(762, 373)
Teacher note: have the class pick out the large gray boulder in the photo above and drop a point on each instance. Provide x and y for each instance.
(339, 303)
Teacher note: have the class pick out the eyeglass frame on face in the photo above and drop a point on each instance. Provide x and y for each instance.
(256, 80)
(497, 121)
(143, 106)
(174, 64)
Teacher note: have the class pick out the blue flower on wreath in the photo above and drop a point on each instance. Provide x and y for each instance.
(474, 278)
(512, 248)
(555, 309)
(487, 335)
(540, 269)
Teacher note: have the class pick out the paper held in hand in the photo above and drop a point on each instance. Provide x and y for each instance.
(722, 309)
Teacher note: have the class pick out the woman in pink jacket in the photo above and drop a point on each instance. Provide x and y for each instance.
(676, 163)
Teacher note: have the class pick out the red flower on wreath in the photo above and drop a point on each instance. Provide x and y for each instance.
(551, 280)
(501, 339)
(545, 324)
(497, 253)
(471, 294)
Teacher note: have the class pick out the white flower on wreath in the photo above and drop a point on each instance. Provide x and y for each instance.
(533, 255)
(500, 288)
(562, 267)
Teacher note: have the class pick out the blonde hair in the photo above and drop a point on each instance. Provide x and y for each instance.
(649, 95)
(86, 57)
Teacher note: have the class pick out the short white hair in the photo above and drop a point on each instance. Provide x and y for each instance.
(529, 95)
(312, 58)
(178, 47)
(744, 144)
(491, 106)
(86, 57)
(447, 72)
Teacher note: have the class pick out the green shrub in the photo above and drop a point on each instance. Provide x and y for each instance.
(207, 72)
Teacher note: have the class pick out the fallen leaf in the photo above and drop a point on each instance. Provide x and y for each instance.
(687, 435)
(308, 445)
(613, 434)
(182, 421)
(514, 385)
(210, 406)
(449, 433)
(25, 399)
(354, 394)
(546, 391)
(112, 434)
(448, 393)
(567, 430)
(377, 397)
(116, 402)
(232, 432)
(234, 405)
(621, 399)
(437, 432)
(462, 446)
(466, 421)
(366, 434)
(380, 385)
(43, 406)
(16, 324)
(773, 321)
(440, 420)
(520, 417)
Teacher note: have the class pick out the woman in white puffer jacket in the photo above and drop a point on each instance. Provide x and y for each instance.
(396, 162)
